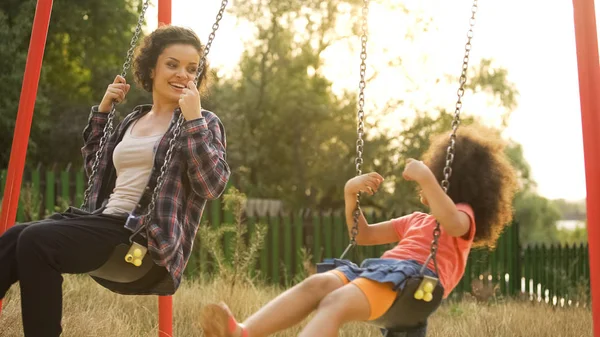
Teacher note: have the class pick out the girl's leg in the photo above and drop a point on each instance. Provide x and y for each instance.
(345, 304)
(46, 250)
(286, 310)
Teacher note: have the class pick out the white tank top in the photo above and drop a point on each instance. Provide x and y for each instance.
(133, 158)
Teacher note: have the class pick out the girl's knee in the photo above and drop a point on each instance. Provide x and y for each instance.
(345, 305)
(332, 300)
(322, 282)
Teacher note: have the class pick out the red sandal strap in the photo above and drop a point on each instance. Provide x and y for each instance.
(233, 325)
(244, 331)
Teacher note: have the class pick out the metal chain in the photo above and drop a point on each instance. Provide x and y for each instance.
(179, 123)
(455, 122)
(161, 177)
(108, 127)
(361, 115)
(211, 37)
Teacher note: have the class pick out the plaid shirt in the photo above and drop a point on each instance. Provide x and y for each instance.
(197, 172)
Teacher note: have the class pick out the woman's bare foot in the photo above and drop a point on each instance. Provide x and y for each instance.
(218, 321)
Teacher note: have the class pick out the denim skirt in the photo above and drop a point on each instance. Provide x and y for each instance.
(382, 270)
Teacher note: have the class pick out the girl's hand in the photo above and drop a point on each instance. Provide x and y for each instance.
(417, 171)
(367, 183)
(115, 92)
(189, 102)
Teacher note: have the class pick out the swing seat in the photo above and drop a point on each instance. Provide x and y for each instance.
(407, 313)
(325, 266)
(124, 278)
(116, 269)
(407, 317)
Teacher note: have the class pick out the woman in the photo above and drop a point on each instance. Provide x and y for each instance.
(36, 254)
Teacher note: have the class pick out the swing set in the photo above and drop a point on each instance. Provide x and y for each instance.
(422, 294)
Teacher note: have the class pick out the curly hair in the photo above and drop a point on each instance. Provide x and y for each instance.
(481, 176)
(153, 45)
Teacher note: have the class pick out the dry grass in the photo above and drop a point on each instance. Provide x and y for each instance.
(89, 310)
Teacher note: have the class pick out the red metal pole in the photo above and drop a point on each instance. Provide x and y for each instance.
(165, 316)
(589, 87)
(164, 12)
(31, 78)
(165, 303)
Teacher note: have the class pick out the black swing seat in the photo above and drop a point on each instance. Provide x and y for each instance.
(408, 314)
(407, 317)
(116, 269)
(124, 278)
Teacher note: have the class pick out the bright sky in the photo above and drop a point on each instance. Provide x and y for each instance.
(534, 40)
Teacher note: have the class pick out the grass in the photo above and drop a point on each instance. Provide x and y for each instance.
(89, 310)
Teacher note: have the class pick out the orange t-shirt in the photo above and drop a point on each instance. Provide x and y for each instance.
(416, 233)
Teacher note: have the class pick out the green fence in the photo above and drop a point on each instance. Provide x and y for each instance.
(556, 273)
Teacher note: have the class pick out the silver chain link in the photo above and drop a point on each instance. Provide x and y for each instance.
(211, 37)
(361, 115)
(455, 123)
(108, 128)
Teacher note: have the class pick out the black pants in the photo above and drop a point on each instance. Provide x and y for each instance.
(37, 253)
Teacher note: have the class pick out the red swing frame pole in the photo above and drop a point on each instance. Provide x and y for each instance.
(164, 12)
(31, 78)
(165, 303)
(588, 65)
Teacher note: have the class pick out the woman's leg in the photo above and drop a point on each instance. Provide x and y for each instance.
(46, 250)
(8, 257)
(8, 253)
(286, 310)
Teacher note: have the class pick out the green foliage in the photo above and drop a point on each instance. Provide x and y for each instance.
(537, 216)
(572, 236)
(572, 210)
(86, 46)
(293, 137)
(494, 80)
(244, 254)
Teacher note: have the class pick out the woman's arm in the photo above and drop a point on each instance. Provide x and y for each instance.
(91, 137)
(204, 145)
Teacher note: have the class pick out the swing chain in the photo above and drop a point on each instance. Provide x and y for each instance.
(179, 123)
(361, 114)
(108, 127)
(211, 37)
(455, 122)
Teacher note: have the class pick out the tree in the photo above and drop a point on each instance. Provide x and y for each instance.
(293, 138)
(86, 46)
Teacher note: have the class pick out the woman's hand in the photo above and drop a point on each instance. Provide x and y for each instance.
(115, 92)
(189, 102)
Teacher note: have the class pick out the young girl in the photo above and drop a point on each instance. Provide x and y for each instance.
(474, 212)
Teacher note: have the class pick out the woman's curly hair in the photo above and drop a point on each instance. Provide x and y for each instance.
(153, 45)
(482, 177)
